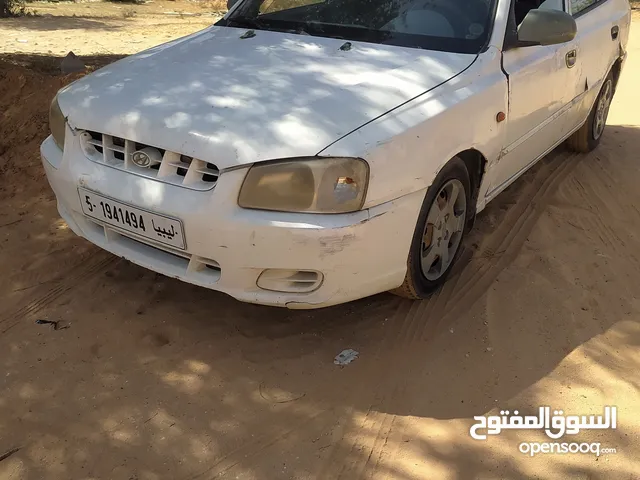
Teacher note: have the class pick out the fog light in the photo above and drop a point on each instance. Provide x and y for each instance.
(290, 281)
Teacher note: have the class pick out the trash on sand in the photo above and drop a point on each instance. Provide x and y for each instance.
(54, 323)
(345, 357)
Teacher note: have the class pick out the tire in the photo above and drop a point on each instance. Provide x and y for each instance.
(588, 137)
(442, 235)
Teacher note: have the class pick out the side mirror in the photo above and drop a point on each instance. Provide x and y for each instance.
(546, 27)
(231, 3)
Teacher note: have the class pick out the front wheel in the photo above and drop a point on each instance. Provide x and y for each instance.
(439, 231)
(588, 136)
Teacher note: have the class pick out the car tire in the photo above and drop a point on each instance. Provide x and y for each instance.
(588, 137)
(439, 231)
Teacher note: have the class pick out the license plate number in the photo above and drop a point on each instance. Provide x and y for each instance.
(156, 227)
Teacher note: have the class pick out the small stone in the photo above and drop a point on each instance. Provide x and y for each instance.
(71, 64)
(489, 349)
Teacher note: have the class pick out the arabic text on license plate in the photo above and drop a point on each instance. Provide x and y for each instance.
(153, 226)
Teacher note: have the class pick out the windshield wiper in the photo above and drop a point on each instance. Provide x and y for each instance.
(245, 22)
(305, 28)
(311, 28)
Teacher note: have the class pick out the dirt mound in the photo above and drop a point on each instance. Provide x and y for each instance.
(25, 96)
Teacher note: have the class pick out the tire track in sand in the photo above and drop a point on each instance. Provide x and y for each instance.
(44, 296)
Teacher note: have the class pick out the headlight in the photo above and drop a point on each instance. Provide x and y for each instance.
(310, 184)
(57, 123)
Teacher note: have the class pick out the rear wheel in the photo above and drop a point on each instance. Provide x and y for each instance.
(439, 231)
(588, 136)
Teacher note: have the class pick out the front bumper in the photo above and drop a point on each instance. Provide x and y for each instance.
(358, 254)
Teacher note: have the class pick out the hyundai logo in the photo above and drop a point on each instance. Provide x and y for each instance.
(141, 159)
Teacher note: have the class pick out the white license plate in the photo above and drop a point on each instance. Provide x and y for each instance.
(156, 227)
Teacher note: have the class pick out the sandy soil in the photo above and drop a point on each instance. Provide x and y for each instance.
(94, 28)
(148, 378)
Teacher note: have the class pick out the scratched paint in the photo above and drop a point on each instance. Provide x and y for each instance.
(335, 244)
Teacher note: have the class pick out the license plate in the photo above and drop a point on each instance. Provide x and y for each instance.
(156, 227)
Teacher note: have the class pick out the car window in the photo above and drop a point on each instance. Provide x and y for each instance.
(552, 5)
(522, 7)
(451, 25)
(578, 6)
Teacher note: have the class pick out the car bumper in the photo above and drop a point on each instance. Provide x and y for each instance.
(357, 254)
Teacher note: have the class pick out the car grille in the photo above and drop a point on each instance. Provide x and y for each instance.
(162, 258)
(164, 166)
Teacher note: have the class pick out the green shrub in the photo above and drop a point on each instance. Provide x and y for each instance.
(10, 8)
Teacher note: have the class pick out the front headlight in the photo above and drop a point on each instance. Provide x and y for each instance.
(57, 123)
(309, 184)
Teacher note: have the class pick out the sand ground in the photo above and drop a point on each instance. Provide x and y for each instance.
(157, 379)
(103, 28)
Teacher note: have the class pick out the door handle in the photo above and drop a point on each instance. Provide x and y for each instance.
(614, 32)
(571, 58)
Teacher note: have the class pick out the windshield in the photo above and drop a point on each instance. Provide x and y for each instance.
(450, 25)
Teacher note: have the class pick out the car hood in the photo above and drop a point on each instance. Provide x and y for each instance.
(231, 101)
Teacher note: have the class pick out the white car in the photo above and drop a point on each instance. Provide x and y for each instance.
(305, 153)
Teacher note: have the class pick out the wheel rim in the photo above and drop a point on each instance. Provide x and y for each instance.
(443, 229)
(602, 109)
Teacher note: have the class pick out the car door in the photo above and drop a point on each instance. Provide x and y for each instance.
(543, 82)
(601, 26)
